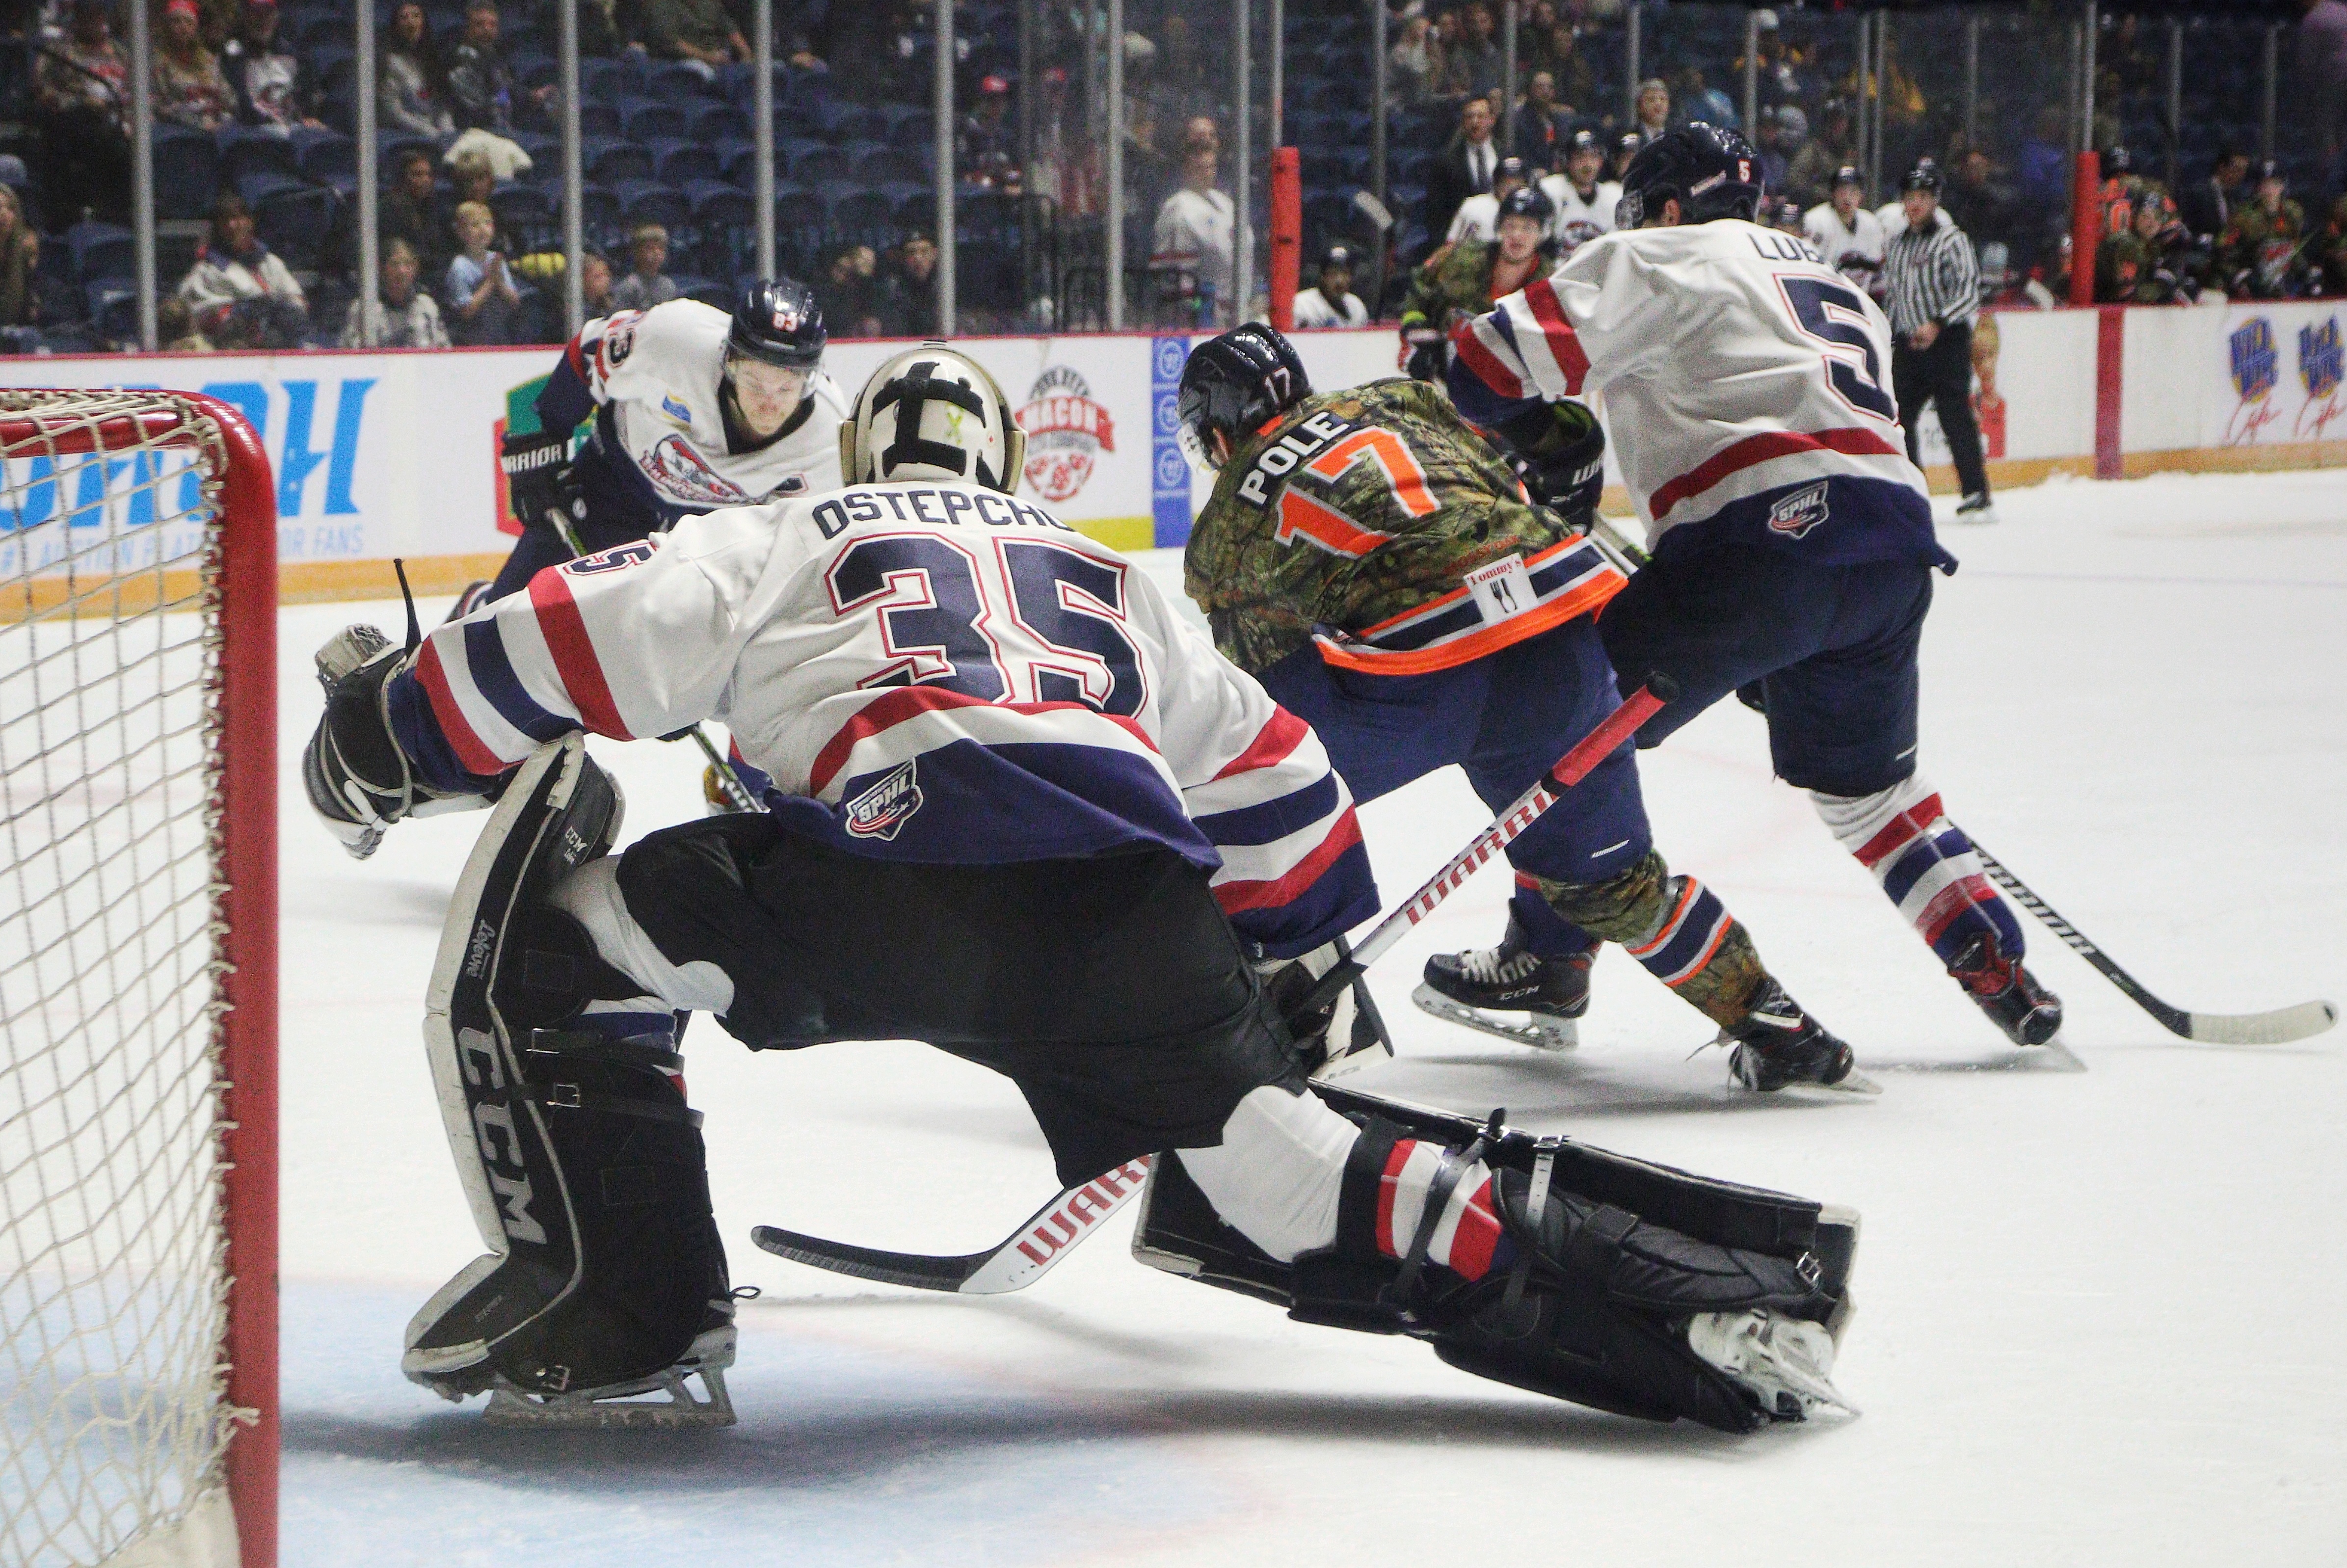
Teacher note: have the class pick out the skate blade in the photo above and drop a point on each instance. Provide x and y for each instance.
(1538, 1031)
(620, 1405)
(1857, 1085)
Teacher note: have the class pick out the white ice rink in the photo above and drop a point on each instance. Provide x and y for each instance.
(2098, 1313)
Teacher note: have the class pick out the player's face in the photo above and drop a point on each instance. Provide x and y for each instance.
(1519, 238)
(1845, 199)
(767, 394)
(1584, 166)
(1336, 282)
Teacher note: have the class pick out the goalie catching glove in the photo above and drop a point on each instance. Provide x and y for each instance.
(542, 483)
(1336, 1037)
(358, 780)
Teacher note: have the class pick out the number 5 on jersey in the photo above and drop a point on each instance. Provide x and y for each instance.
(1835, 315)
(1024, 622)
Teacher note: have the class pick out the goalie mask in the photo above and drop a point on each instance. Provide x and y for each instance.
(932, 414)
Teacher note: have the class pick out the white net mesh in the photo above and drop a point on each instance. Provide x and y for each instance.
(113, 1283)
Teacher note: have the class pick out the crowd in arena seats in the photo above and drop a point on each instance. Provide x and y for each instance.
(256, 101)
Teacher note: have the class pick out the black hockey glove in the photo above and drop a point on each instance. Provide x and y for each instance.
(1429, 354)
(1336, 1037)
(1561, 450)
(542, 483)
(357, 778)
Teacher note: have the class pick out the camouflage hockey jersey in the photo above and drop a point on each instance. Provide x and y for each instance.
(2261, 255)
(1377, 522)
(1456, 278)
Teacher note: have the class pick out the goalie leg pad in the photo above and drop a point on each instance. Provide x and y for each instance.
(584, 1166)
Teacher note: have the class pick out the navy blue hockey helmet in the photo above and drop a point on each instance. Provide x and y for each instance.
(1525, 202)
(1236, 382)
(776, 321)
(1710, 171)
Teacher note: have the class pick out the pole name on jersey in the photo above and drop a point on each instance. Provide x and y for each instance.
(923, 504)
(1279, 459)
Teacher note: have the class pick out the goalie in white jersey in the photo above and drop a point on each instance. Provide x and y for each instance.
(693, 411)
(1020, 809)
(1746, 391)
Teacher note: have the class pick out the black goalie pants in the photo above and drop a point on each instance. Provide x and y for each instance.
(1110, 988)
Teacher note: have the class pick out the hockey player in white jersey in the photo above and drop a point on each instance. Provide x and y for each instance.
(1747, 388)
(1020, 809)
(1583, 202)
(693, 410)
(1846, 234)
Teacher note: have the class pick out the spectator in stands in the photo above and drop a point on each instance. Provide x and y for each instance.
(849, 292)
(2045, 168)
(188, 87)
(599, 32)
(409, 211)
(594, 285)
(1415, 72)
(697, 31)
(2322, 81)
(1809, 170)
(910, 296)
(1697, 99)
(411, 95)
(1770, 165)
(481, 90)
(2208, 206)
(1478, 217)
(20, 264)
(2262, 255)
(1783, 67)
(272, 87)
(1626, 148)
(1333, 303)
(404, 316)
(82, 101)
(649, 283)
(1653, 108)
(238, 291)
(1477, 63)
(482, 299)
(1541, 124)
(1984, 209)
(175, 327)
(1192, 243)
(987, 139)
(471, 178)
(1560, 56)
(1465, 167)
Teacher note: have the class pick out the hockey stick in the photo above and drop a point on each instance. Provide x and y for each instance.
(1046, 1235)
(2278, 1027)
(729, 783)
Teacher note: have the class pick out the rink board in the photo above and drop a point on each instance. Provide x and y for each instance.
(385, 454)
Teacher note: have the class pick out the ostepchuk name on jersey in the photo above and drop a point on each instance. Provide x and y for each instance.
(918, 504)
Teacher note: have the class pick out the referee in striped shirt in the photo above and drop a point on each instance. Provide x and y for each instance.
(1932, 279)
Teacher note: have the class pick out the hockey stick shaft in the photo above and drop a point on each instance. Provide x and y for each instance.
(728, 781)
(1023, 1257)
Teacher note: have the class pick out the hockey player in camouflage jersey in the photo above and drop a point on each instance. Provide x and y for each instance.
(1376, 562)
(2262, 255)
(1463, 279)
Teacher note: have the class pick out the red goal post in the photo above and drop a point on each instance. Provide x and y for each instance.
(138, 982)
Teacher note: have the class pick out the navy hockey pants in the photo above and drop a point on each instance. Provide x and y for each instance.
(1506, 719)
(1831, 650)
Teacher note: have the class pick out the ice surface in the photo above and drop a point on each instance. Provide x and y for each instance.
(2094, 1318)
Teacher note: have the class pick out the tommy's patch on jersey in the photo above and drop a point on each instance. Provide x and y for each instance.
(1279, 459)
(882, 810)
(1502, 589)
(1799, 512)
(681, 473)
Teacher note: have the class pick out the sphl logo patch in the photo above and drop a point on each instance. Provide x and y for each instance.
(882, 810)
(1799, 512)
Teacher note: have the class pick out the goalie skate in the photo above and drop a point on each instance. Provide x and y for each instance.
(624, 1405)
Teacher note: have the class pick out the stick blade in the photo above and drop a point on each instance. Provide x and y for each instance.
(915, 1269)
(2279, 1027)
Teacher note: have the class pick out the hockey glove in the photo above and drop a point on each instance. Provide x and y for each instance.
(1335, 1038)
(357, 778)
(1428, 353)
(1561, 452)
(542, 483)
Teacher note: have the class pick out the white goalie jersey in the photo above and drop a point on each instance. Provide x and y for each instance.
(655, 378)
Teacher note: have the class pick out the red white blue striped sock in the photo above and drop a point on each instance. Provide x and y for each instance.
(1925, 866)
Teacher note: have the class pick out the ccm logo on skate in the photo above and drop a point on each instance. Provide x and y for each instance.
(1280, 459)
(1085, 1207)
(882, 810)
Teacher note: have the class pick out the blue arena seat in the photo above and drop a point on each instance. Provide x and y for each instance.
(677, 81)
(600, 118)
(650, 119)
(99, 250)
(650, 201)
(681, 161)
(711, 123)
(186, 172)
(324, 155)
(114, 309)
(812, 162)
(610, 160)
(293, 221)
(245, 151)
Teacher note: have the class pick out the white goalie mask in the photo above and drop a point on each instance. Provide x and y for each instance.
(932, 414)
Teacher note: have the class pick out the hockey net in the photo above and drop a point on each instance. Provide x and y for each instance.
(137, 983)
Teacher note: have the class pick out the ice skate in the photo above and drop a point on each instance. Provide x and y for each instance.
(1976, 508)
(2026, 1011)
(1510, 991)
(1785, 1363)
(1778, 1046)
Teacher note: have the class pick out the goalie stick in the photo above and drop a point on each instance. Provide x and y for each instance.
(2278, 1027)
(1047, 1236)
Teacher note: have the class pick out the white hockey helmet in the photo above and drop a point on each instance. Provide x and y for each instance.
(932, 414)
